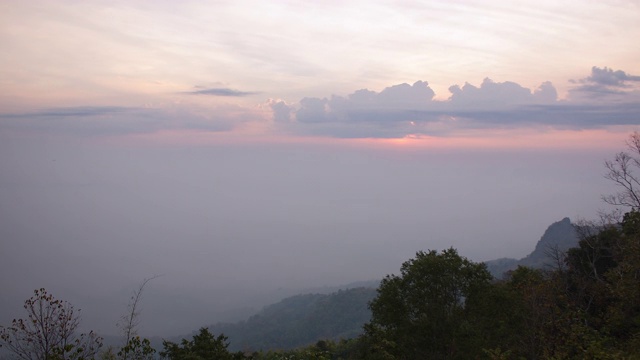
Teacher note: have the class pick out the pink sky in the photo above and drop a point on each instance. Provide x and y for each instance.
(429, 69)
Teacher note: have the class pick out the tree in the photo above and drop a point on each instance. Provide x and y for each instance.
(621, 172)
(529, 304)
(203, 346)
(623, 314)
(421, 314)
(623, 317)
(49, 332)
(134, 347)
(137, 349)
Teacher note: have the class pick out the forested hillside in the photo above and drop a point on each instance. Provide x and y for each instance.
(302, 320)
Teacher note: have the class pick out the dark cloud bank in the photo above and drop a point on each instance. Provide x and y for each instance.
(604, 98)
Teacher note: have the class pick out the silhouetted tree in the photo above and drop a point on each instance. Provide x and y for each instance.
(49, 332)
(621, 172)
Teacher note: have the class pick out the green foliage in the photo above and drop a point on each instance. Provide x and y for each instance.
(442, 306)
(422, 313)
(137, 349)
(49, 332)
(108, 354)
(323, 350)
(498, 354)
(204, 346)
(588, 309)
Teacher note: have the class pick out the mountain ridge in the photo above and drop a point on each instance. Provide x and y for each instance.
(558, 237)
(301, 320)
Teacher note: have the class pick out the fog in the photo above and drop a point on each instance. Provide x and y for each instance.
(232, 227)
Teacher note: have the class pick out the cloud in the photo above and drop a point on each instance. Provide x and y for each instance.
(281, 111)
(608, 77)
(492, 95)
(84, 120)
(79, 111)
(113, 120)
(584, 116)
(612, 98)
(394, 103)
(402, 110)
(604, 81)
(222, 92)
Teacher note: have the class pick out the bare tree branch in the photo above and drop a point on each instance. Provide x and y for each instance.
(558, 256)
(129, 322)
(621, 172)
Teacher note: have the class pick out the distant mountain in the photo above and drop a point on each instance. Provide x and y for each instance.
(340, 312)
(559, 236)
(499, 266)
(302, 320)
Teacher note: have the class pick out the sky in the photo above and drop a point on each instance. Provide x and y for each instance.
(246, 149)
